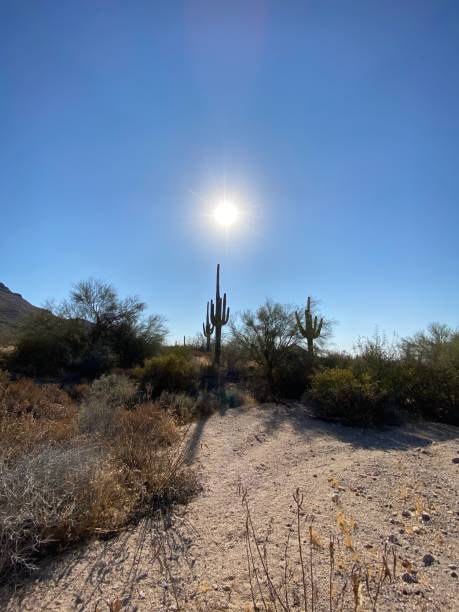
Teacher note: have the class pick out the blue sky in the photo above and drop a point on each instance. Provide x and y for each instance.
(333, 125)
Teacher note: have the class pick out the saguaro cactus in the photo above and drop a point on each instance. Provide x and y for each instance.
(207, 329)
(219, 316)
(311, 328)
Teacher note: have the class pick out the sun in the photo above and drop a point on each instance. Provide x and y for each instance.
(226, 214)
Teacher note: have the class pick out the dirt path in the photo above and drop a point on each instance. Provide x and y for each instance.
(196, 559)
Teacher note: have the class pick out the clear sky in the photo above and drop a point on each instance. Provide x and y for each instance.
(333, 125)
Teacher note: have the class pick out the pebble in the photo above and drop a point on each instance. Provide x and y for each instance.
(425, 516)
(406, 513)
(453, 574)
(417, 529)
(455, 459)
(410, 578)
(428, 559)
(335, 498)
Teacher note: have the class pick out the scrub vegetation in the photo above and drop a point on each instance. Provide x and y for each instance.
(95, 409)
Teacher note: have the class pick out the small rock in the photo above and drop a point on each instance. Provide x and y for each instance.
(392, 539)
(425, 516)
(417, 529)
(452, 566)
(226, 588)
(141, 595)
(335, 498)
(453, 574)
(409, 578)
(455, 459)
(428, 559)
(406, 513)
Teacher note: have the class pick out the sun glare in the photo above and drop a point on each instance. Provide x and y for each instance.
(226, 214)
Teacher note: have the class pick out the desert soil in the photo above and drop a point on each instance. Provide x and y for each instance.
(377, 484)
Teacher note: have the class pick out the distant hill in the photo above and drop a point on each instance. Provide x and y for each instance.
(13, 308)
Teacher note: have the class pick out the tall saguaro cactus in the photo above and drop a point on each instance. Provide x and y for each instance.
(207, 329)
(219, 316)
(311, 328)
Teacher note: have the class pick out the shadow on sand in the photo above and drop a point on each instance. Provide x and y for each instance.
(396, 437)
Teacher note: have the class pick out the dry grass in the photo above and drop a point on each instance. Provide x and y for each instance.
(66, 474)
(313, 576)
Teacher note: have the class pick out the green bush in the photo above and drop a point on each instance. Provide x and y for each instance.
(49, 345)
(174, 371)
(429, 380)
(430, 390)
(339, 393)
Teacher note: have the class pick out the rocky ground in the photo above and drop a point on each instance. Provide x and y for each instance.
(394, 490)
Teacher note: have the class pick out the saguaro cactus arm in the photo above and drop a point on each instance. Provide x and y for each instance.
(208, 328)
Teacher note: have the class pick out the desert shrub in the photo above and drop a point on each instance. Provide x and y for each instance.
(419, 375)
(144, 442)
(187, 408)
(77, 392)
(49, 345)
(55, 495)
(104, 399)
(334, 359)
(174, 371)
(288, 380)
(429, 373)
(58, 485)
(293, 377)
(430, 390)
(235, 359)
(339, 393)
(31, 414)
(24, 396)
(181, 405)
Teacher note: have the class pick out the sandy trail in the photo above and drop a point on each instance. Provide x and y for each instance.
(196, 558)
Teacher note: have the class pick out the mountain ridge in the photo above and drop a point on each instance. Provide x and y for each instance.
(13, 309)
